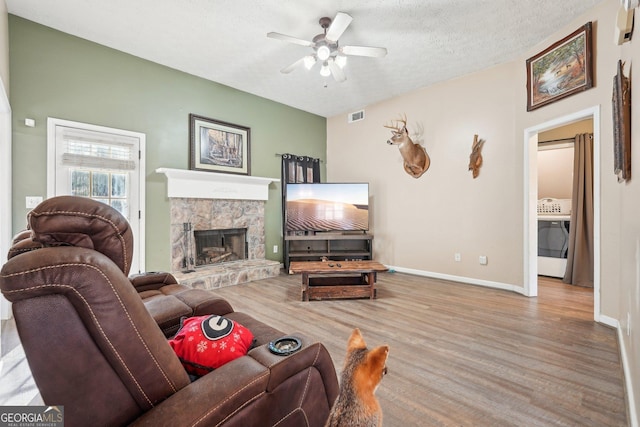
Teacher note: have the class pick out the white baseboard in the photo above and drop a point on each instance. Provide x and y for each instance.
(626, 370)
(609, 321)
(466, 280)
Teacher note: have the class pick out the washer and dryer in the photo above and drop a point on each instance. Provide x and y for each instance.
(553, 236)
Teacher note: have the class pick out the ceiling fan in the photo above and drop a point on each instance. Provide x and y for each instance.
(326, 49)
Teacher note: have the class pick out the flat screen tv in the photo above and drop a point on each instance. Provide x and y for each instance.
(327, 207)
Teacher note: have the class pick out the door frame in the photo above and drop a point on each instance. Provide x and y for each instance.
(531, 199)
(137, 220)
(6, 203)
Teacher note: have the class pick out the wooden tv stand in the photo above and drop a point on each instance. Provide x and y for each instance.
(333, 246)
(337, 279)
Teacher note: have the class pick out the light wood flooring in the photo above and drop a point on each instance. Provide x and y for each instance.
(460, 355)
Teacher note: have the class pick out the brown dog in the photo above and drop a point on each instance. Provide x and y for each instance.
(356, 404)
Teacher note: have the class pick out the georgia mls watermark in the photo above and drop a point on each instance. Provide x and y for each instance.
(31, 416)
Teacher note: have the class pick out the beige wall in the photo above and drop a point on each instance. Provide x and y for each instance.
(419, 224)
(555, 160)
(555, 173)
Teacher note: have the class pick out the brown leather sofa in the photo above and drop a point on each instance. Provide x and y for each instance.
(96, 340)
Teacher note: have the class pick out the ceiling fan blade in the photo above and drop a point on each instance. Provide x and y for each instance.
(338, 26)
(376, 52)
(336, 71)
(290, 68)
(289, 39)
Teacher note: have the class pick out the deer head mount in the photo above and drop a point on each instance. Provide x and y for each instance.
(416, 159)
(475, 159)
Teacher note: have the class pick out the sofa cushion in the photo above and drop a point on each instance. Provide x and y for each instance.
(204, 343)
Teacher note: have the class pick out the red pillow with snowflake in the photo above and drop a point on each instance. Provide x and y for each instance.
(204, 343)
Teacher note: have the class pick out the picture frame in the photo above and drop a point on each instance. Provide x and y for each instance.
(217, 146)
(561, 70)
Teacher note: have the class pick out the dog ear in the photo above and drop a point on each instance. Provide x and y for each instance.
(356, 341)
(377, 358)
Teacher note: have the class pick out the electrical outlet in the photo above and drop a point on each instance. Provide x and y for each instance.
(457, 257)
(483, 260)
(275, 249)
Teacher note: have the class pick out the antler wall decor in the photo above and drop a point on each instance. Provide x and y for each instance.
(621, 103)
(475, 159)
(416, 159)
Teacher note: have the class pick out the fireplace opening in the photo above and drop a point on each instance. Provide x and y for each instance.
(218, 246)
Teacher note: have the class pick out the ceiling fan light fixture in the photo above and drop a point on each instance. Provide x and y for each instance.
(326, 48)
(323, 53)
(309, 61)
(341, 61)
(325, 71)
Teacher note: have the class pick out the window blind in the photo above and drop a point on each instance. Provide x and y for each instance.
(97, 150)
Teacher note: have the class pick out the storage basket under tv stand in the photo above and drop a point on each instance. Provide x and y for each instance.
(334, 246)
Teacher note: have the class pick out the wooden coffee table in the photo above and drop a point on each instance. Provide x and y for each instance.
(337, 279)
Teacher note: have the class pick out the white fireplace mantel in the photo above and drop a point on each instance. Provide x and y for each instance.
(211, 185)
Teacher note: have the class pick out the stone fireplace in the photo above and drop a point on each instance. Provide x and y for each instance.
(214, 215)
(227, 211)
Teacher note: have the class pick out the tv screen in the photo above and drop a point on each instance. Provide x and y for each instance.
(327, 207)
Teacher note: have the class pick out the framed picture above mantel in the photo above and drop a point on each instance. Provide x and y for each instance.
(217, 146)
(562, 69)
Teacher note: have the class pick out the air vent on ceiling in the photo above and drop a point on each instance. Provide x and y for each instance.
(356, 117)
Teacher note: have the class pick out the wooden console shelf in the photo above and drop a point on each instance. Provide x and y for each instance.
(334, 246)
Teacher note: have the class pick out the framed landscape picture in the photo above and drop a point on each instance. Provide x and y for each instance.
(561, 70)
(217, 146)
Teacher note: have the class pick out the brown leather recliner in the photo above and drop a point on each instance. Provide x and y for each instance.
(93, 346)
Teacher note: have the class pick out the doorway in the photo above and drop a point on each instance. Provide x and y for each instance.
(104, 164)
(531, 138)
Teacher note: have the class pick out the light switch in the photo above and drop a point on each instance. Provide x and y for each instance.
(33, 201)
(30, 123)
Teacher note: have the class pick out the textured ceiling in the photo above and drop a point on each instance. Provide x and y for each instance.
(225, 40)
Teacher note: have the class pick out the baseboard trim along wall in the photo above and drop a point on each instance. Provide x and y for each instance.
(626, 371)
(466, 280)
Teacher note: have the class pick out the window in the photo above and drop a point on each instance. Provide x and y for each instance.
(104, 164)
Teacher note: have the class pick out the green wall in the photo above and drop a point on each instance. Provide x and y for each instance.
(57, 75)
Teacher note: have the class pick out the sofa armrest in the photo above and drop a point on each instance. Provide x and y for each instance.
(23, 245)
(204, 302)
(311, 354)
(152, 280)
(252, 382)
(213, 398)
